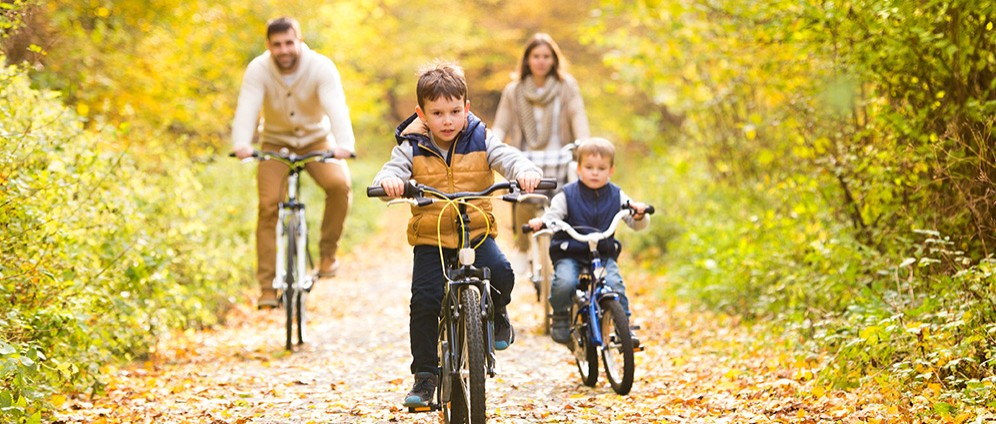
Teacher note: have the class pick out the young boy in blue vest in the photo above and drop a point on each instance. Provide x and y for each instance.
(591, 201)
(445, 146)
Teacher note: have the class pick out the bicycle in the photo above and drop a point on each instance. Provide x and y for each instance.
(598, 320)
(563, 164)
(294, 260)
(465, 353)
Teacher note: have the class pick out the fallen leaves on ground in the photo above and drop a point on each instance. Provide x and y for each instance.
(697, 367)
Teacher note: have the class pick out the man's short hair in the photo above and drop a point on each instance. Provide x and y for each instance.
(596, 146)
(441, 79)
(281, 25)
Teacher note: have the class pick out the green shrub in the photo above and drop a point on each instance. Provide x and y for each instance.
(99, 255)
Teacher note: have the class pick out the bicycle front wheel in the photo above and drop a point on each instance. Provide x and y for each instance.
(617, 349)
(546, 275)
(290, 294)
(585, 354)
(469, 381)
(304, 285)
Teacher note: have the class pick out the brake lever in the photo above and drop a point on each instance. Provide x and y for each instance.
(402, 200)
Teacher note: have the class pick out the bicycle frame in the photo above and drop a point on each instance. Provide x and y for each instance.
(599, 291)
(593, 300)
(293, 262)
(591, 276)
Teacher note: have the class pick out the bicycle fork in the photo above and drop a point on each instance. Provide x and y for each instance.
(466, 275)
(591, 298)
(291, 217)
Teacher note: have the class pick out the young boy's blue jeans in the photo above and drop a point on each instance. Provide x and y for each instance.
(428, 285)
(565, 282)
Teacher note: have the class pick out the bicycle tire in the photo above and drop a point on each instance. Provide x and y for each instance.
(471, 370)
(289, 299)
(546, 279)
(584, 351)
(444, 389)
(301, 314)
(301, 295)
(617, 347)
(447, 376)
(457, 411)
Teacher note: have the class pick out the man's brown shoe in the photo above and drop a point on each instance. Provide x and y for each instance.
(328, 268)
(267, 299)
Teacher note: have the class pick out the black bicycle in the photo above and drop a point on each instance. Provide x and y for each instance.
(598, 320)
(295, 264)
(466, 322)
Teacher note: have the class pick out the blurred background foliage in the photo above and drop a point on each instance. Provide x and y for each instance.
(825, 168)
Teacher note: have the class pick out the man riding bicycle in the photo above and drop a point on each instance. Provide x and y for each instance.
(303, 107)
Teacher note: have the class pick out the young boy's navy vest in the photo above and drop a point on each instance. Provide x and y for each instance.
(587, 208)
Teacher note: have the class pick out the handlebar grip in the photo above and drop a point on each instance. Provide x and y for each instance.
(526, 229)
(649, 210)
(231, 154)
(411, 191)
(547, 184)
(376, 191)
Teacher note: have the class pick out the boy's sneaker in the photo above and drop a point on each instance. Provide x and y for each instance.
(423, 390)
(560, 330)
(504, 333)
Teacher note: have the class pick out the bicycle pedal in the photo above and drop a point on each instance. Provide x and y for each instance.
(638, 349)
(634, 327)
(418, 409)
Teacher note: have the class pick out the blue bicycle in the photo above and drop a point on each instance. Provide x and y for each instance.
(599, 323)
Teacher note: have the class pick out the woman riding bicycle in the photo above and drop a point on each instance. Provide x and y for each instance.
(540, 111)
(592, 202)
(444, 145)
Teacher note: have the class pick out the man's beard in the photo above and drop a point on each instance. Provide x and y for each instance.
(290, 64)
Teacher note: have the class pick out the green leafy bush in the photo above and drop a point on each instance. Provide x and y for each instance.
(99, 256)
(833, 174)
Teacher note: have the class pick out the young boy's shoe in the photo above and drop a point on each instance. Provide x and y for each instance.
(560, 329)
(504, 333)
(423, 390)
(267, 299)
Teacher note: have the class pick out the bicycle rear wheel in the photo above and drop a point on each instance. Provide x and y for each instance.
(468, 396)
(585, 354)
(452, 411)
(617, 349)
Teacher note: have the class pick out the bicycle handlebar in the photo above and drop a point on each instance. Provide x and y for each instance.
(559, 225)
(291, 157)
(417, 192)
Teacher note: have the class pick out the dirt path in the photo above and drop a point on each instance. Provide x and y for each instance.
(696, 367)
